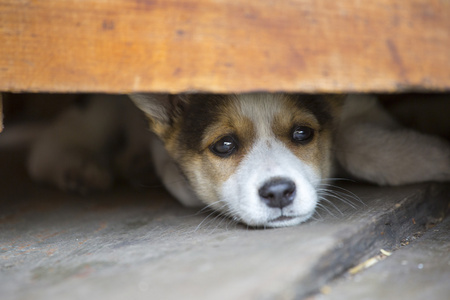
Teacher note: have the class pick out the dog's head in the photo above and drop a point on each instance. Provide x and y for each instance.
(258, 158)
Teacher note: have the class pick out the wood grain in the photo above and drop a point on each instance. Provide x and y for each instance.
(224, 45)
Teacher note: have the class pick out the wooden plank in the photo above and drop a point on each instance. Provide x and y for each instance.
(419, 271)
(224, 46)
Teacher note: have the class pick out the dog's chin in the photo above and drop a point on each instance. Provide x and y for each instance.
(285, 221)
(281, 221)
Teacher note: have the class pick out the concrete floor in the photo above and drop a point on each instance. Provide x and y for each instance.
(141, 244)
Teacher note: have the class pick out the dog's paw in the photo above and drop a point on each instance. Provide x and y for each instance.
(83, 176)
(393, 156)
(69, 170)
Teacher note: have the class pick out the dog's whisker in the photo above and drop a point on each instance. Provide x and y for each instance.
(317, 219)
(204, 220)
(339, 197)
(330, 203)
(218, 214)
(229, 221)
(326, 209)
(225, 216)
(346, 191)
(218, 220)
(318, 213)
(232, 222)
(342, 198)
(209, 206)
(205, 209)
(342, 192)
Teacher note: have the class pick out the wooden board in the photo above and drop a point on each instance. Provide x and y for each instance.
(224, 45)
(416, 271)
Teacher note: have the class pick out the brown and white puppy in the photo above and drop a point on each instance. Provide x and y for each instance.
(259, 158)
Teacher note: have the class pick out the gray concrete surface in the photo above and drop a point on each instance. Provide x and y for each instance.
(141, 244)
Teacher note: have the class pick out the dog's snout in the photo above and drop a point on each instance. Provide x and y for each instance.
(278, 192)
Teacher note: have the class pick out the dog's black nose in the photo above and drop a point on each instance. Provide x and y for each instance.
(279, 192)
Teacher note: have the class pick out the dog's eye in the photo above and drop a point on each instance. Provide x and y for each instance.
(224, 147)
(302, 134)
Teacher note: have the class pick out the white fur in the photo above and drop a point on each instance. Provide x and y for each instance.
(268, 159)
(169, 173)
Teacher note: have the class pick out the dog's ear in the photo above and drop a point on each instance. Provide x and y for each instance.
(161, 109)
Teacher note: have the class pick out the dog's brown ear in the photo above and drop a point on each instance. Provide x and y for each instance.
(161, 109)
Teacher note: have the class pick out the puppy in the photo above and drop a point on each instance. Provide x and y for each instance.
(259, 158)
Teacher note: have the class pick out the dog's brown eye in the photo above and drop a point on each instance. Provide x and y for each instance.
(302, 134)
(224, 147)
